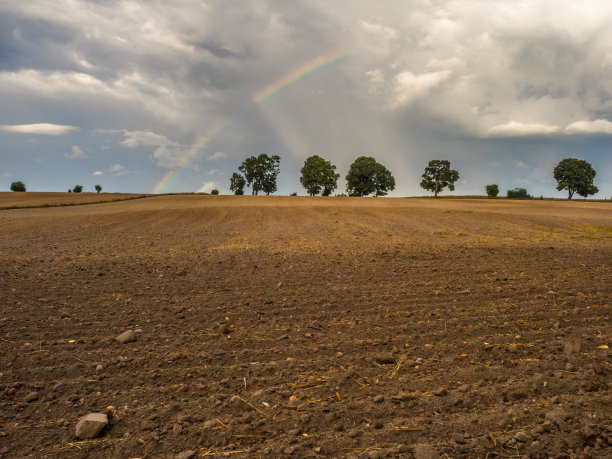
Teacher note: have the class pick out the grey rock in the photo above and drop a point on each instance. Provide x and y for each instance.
(189, 454)
(32, 396)
(378, 399)
(315, 325)
(126, 337)
(99, 368)
(425, 451)
(91, 425)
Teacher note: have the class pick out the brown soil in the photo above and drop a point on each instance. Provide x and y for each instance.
(31, 199)
(308, 327)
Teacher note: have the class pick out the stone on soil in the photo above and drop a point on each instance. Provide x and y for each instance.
(32, 396)
(126, 337)
(91, 425)
(185, 455)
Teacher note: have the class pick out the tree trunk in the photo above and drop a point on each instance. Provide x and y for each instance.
(436, 191)
(570, 193)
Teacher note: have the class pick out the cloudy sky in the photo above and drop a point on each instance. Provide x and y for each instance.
(135, 95)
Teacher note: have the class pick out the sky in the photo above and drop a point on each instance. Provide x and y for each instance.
(171, 96)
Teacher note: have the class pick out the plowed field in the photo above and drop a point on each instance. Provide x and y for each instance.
(308, 327)
(31, 199)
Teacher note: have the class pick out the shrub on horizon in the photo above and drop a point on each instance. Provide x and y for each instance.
(492, 190)
(518, 193)
(18, 186)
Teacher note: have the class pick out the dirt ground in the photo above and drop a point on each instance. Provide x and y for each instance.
(308, 327)
(53, 199)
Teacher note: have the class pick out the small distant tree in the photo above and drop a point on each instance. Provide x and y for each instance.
(438, 175)
(575, 176)
(319, 176)
(367, 176)
(77, 188)
(18, 186)
(261, 172)
(98, 188)
(215, 192)
(237, 183)
(492, 190)
(518, 193)
(69, 190)
(293, 194)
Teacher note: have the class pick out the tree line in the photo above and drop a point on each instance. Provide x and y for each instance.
(20, 186)
(368, 177)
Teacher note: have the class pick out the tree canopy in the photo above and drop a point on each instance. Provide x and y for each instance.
(260, 172)
(98, 188)
(237, 183)
(492, 190)
(319, 176)
(438, 175)
(77, 188)
(575, 176)
(18, 186)
(367, 176)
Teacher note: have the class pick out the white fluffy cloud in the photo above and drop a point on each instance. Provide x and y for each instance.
(589, 127)
(75, 152)
(516, 129)
(166, 154)
(98, 173)
(217, 155)
(40, 129)
(409, 86)
(207, 187)
(118, 170)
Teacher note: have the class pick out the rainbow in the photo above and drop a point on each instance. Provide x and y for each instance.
(288, 79)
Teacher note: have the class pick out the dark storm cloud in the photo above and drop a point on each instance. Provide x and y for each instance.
(422, 79)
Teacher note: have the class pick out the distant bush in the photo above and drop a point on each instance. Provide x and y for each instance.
(518, 193)
(293, 194)
(98, 188)
(77, 188)
(215, 192)
(492, 190)
(18, 186)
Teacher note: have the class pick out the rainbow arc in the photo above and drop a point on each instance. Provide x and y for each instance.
(260, 96)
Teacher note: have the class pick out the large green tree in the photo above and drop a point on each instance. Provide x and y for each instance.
(439, 175)
(237, 183)
(575, 176)
(367, 176)
(319, 176)
(18, 186)
(260, 172)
